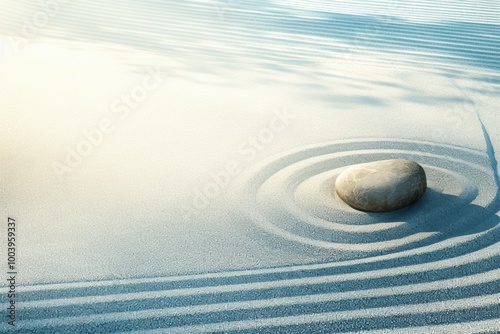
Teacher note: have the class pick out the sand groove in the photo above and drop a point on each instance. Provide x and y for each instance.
(403, 270)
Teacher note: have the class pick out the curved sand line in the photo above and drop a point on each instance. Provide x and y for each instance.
(452, 278)
(278, 192)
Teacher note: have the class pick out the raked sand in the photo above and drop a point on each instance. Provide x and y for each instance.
(170, 167)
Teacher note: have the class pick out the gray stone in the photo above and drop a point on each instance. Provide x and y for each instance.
(382, 186)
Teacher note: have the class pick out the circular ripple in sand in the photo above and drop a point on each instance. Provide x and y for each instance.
(292, 196)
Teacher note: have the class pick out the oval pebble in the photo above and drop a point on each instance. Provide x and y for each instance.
(382, 186)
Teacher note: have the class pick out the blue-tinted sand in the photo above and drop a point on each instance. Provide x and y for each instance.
(170, 165)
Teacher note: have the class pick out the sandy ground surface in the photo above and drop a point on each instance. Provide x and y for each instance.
(172, 166)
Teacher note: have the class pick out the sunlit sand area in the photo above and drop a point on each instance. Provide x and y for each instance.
(170, 167)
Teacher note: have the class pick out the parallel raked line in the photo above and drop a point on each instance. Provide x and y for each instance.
(476, 281)
(331, 317)
(431, 253)
(490, 253)
(471, 327)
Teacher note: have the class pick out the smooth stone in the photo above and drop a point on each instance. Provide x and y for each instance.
(382, 186)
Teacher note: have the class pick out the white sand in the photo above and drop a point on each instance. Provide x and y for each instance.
(262, 121)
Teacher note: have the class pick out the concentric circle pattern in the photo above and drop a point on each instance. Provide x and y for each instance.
(408, 272)
(293, 197)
